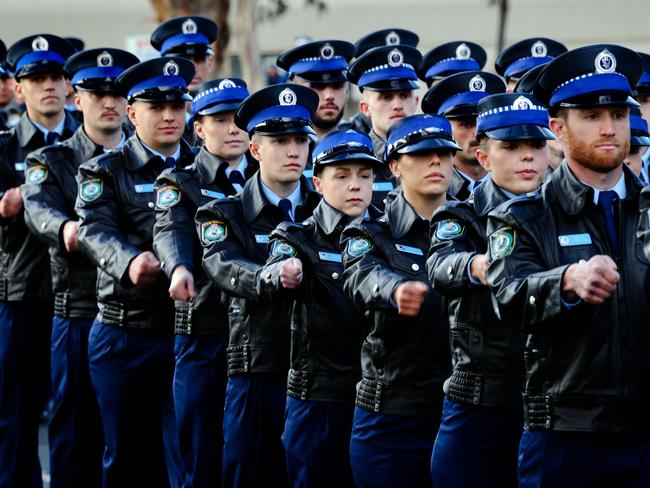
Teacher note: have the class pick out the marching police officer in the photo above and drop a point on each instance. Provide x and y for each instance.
(324, 354)
(235, 233)
(201, 320)
(130, 346)
(482, 416)
(387, 79)
(322, 66)
(25, 286)
(404, 357)
(516, 59)
(568, 266)
(49, 193)
(455, 98)
(451, 58)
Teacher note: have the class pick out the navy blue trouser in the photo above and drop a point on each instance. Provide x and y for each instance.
(253, 422)
(75, 429)
(476, 446)
(24, 387)
(131, 372)
(583, 460)
(392, 451)
(316, 441)
(199, 391)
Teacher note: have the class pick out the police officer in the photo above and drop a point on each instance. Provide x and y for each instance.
(451, 58)
(482, 415)
(455, 98)
(384, 37)
(201, 320)
(567, 265)
(322, 66)
(516, 59)
(49, 193)
(235, 233)
(324, 353)
(641, 94)
(25, 293)
(639, 142)
(387, 79)
(130, 347)
(404, 358)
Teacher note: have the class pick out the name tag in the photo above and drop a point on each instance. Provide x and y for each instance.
(409, 249)
(330, 256)
(574, 240)
(144, 188)
(212, 194)
(19, 166)
(308, 173)
(262, 238)
(382, 186)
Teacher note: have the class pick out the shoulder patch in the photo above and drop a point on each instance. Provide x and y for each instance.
(358, 246)
(449, 229)
(213, 231)
(167, 196)
(282, 248)
(91, 189)
(36, 174)
(502, 242)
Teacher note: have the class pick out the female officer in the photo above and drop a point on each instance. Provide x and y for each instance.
(404, 357)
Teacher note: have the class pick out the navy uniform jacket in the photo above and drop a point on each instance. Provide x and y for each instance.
(179, 193)
(587, 365)
(404, 360)
(24, 270)
(234, 234)
(116, 207)
(487, 353)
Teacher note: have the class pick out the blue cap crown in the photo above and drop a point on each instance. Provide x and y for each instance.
(219, 96)
(502, 116)
(419, 133)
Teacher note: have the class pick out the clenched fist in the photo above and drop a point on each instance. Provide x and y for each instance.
(182, 285)
(409, 297)
(144, 268)
(291, 273)
(11, 203)
(593, 281)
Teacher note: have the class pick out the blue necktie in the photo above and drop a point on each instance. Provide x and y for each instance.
(606, 201)
(236, 178)
(51, 138)
(170, 162)
(285, 205)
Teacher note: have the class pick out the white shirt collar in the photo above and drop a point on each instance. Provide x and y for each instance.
(619, 188)
(176, 155)
(58, 129)
(295, 197)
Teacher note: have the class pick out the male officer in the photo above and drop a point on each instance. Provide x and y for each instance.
(566, 264)
(201, 320)
(130, 347)
(387, 78)
(516, 59)
(455, 98)
(639, 142)
(235, 233)
(49, 193)
(25, 286)
(322, 66)
(451, 58)
(641, 94)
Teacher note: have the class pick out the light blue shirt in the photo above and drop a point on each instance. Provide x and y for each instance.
(472, 182)
(241, 167)
(176, 155)
(58, 129)
(295, 198)
(120, 144)
(619, 188)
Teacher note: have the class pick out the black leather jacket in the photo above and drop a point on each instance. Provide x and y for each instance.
(326, 333)
(487, 354)
(24, 270)
(459, 185)
(587, 366)
(180, 191)
(116, 208)
(404, 360)
(49, 196)
(235, 234)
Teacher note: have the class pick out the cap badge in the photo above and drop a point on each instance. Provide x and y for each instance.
(287, 97)
(327, 51)
(40, 44)
(170, 69)
(392, 38)
(189, 27)
(395, 58)
(477, 84)
(605, 62)
(538, 49)
(522, 103)
(104, 60)
(223, 84)
(463, 51)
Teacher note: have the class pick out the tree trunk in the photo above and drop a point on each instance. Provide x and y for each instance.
(250, 59)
